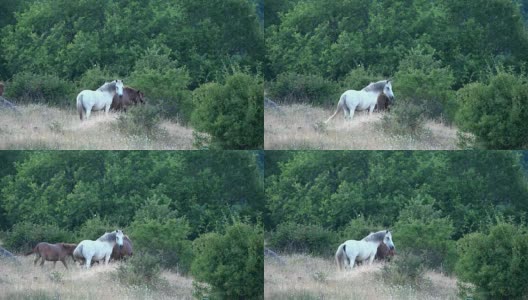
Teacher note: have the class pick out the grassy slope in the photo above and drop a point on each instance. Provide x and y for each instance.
(302, 127)
(305, 277)
(43, 127)
(26, 281)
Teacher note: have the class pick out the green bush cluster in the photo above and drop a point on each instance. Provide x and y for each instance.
(231, 263)
(313, 89)
(24, 236)
(231, 112)
(495, 111)
(28, 87)
(294, 238)
(495, 261)
(423, 231)
(142, 269)
(141, 120)
(406, 269)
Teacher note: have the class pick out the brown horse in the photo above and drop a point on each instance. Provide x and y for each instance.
(382, 253)
(383, 103)
(123, 252)
(130, 97)
(1, 88)
(52, 252)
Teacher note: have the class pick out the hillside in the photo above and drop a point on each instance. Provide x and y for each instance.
(302, 126)
(44, 127)
(306, 277)
(26, 281)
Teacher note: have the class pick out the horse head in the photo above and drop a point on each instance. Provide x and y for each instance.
(119, 238)
(387, 90)
(119, 87)
(387, 240)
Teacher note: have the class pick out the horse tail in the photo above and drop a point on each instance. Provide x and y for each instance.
(80, 108)
(340, 105)
(78, 251)
(340, 256)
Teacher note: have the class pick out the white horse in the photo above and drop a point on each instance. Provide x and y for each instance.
(367, 98)
(352, 250)
(99, 99)
(99, 249)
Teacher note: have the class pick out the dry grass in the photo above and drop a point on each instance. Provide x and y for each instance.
(43, 127)
(26, 281)
(302, 127)
(305, 277)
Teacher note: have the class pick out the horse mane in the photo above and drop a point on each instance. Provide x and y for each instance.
(375, 236)
(108, 236)
(107, 86)
(375, 86)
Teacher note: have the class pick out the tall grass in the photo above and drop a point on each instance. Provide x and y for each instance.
(43, 127)
(301, 126)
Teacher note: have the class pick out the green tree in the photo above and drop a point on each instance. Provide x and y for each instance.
(231, 112)
(232, 263)
(495, 261)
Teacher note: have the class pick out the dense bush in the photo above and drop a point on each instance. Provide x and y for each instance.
(405, 118)
(167, 238)
(232, 263)
(27, 87)
(423, 231)
(142, 120)
(358, 228)
(95, 77)
(406, 269)
(495, 112)
(94, 228)
(164, 83)
(422, 80)
(297, 88)
(495, 262)
(312, 239)
(142, 269)
(358, 78)
(231, 112)
(26, 235)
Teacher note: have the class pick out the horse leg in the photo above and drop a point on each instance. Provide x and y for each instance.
(42, 262)
(64, 263)
(54, 264)
(352, 261)
(88, 112)
(88, 262)
(37, 257)
(107, 259)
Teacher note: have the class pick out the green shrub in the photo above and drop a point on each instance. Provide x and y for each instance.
(166, 238)
(405, 118)
(142, 269)
(25, 235)
(423, 231)
(164, 84)
(495, 262)
(299, 88)
(142, 120)
(358, 78)
(232, 112)
(93, 78)
(358, 228)
(406, 269)
(421, 80)
(496, 112)
(50, 89)
(313, 239)
(94, 228)
(232, 263)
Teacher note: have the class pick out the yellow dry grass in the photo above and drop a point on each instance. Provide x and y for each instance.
(306, 277)
(301, 126)
(43, 127)
(26, 281)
